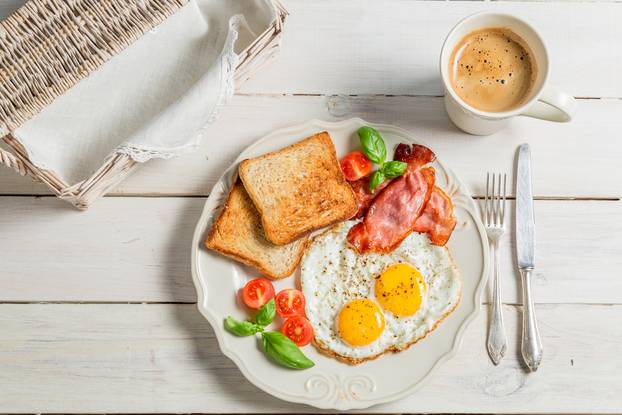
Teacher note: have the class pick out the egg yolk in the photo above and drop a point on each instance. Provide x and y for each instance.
(360, 322)
(399, 289)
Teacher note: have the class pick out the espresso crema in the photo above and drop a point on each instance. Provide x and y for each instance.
(492, 70)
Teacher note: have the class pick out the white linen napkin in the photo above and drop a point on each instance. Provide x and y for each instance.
(153, 99)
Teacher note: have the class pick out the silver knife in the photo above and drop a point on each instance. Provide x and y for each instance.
(531, 346)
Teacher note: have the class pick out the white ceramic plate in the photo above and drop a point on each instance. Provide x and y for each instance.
(331, 384)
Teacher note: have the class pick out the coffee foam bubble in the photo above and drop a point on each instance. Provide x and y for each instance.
(492, 70)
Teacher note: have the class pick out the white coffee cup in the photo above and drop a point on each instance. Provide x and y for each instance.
(543, 102)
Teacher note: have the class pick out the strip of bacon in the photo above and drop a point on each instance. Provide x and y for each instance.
(364, 196)
(437, 219)
(415, 155)
(393, 212)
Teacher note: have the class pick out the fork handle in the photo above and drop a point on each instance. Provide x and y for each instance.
(497, 343)
(531, 345)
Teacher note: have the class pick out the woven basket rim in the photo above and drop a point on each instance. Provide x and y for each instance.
(82, 194)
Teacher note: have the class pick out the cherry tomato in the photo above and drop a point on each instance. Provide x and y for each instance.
(290, 302)
(355, 165)
(257, 292)
(299, 330)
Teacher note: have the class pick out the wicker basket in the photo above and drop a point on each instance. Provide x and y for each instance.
(96, 31)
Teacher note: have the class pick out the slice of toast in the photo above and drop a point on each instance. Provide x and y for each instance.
(298, 189)
(237, 233)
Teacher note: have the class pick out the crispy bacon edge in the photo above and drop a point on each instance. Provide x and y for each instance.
(364, 197)
(415, 155)
(437, 220)
(362, 237)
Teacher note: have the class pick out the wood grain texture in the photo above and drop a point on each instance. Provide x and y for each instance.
(124, 249)
(165, 358)
(105, 358)
(392, 47)
(138, 250)
(560, 151)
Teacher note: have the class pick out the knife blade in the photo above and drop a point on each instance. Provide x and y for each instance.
(531, 345)
(525, 223)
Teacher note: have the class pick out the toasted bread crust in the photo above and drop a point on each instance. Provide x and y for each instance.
(217, 242)
(355, 361)
(303, 212)
(256, 264)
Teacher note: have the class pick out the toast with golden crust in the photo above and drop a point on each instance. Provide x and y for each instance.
(238, 234)
(298, 189)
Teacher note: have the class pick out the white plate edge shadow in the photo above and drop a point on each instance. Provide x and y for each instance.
(468, 204)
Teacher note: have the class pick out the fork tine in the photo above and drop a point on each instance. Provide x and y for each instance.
(505, 176)
(499, 218)
(494, 201)
(486, 200)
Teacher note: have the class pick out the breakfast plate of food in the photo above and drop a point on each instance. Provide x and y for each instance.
(339, 263)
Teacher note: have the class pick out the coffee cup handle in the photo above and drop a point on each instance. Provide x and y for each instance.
(553, 106)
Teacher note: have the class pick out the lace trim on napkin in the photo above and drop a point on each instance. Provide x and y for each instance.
(229, 61)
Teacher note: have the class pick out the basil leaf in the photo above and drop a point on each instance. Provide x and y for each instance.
(241, 328)
(284, 351)
(373, 144)
(266, 313)
(376, 179)
(393, 169)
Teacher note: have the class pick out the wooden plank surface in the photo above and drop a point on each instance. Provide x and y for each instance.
(392, 47)
(138, 249)
(164, 358)
(123, 249)
(377, 61)
(560, 151)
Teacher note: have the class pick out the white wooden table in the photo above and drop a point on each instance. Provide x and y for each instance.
(97, 308)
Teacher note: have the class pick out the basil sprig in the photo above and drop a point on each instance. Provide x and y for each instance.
(284, 351)
(264, 317)
(376, 151)
(242, 328)
(266, 313)
(373, 144)
(275, 344)
(377, 178)
(393, 169)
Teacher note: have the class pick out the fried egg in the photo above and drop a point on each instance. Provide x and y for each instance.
(363, 305)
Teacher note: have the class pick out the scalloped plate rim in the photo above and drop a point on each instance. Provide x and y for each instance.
(258, 382)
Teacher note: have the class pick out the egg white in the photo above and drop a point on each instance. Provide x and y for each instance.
(332, 274)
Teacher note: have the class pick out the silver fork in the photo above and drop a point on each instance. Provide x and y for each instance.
(494, 216)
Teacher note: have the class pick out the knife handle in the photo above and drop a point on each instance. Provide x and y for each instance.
(531, 346)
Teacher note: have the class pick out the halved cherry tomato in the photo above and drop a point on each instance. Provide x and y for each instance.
(355, 165)
(299, 330)
(257, 292)
(290, 302)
